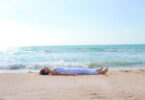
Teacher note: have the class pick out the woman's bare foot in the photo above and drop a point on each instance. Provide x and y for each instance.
(101, 68)
(104, 71)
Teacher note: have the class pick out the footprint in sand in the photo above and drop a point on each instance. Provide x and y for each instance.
(130, 96)
(96, 96)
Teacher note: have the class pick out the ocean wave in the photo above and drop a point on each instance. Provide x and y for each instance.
(38, 66)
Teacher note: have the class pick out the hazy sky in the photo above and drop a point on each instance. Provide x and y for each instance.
(71, 22)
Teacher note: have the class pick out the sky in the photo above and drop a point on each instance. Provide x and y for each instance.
(71, 22)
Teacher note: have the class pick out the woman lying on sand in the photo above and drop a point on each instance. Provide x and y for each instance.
(72, 71)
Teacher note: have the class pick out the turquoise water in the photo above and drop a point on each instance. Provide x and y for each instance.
(91, 56)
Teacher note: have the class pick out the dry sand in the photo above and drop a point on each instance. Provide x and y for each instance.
(116, 85)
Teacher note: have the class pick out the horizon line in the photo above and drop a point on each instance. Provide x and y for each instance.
(80, 45)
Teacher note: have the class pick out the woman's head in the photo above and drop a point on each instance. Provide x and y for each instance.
(45, 71)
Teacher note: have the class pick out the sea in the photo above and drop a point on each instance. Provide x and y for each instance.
(33, 58)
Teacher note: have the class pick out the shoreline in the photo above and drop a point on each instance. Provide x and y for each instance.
(36, 71)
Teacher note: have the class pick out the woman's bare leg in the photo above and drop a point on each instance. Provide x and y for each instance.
(104, 71)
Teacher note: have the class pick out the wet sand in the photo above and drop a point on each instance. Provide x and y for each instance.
(116, 85)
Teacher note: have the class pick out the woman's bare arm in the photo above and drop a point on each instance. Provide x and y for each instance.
(66, 74)
(53, 72)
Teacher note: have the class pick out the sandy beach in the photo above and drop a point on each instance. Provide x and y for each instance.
(116, 85)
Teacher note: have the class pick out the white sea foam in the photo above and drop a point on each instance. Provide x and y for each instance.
(36, 66)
